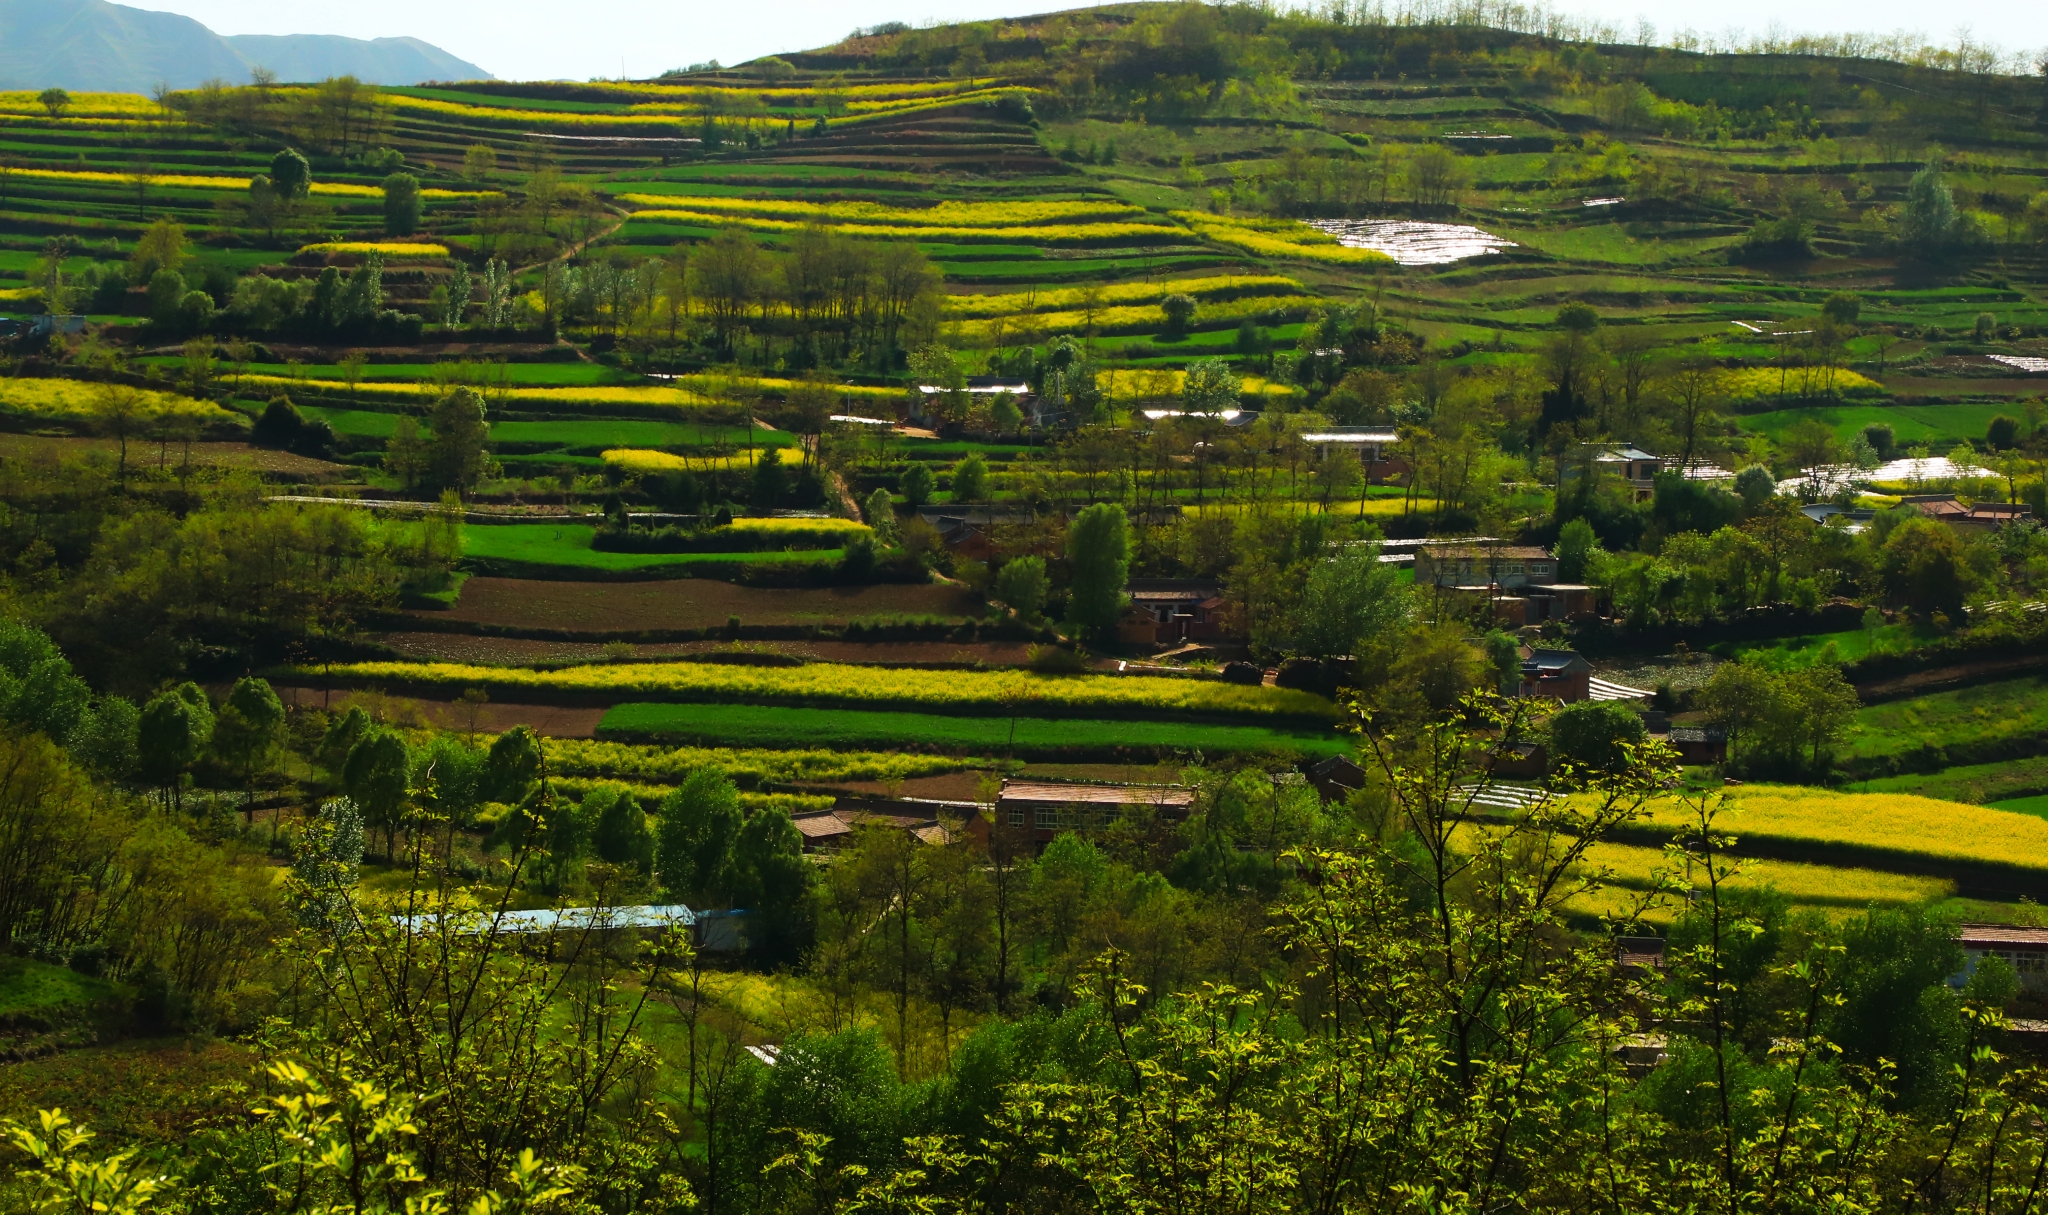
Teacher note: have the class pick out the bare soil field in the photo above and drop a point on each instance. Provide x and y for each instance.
(520, 651)
(609, 607)
(553, 721)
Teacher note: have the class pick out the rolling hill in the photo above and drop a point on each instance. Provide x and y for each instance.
(91, 45)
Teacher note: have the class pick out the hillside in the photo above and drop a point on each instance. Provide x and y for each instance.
(93, 45)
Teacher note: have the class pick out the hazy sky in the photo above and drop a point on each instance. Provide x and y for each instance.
(537, 39)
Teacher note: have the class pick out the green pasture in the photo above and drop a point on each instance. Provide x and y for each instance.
(568, 545)
(371, 424)
(1938, 426)
(774, 726)
(1827, 649)
(2036, 805)
(2010, 713)
(1993, 784)
(542, 375)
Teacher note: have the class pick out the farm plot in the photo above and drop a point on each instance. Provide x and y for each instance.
(615, 607)
(1993, 721)
(995, 693)
(567, 546)
(763, 726)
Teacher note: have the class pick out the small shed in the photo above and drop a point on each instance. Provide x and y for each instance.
(1557, 674)
(1335, 779)
(1700, 744)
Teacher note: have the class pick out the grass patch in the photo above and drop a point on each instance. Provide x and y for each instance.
(568, 545)
(1998, 784)
(1935, 425)
(765, 726)
(1963, 720)
(40, 991)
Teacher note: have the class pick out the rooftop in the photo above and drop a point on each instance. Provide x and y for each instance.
(1053, 793)
(2001, 936)
(1351, 434)
(1490, 552)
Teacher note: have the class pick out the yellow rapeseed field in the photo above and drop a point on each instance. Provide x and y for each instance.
(83, 105)
(1271, 238)
(943, 215)
(749, 523)
(1889, 822)
(395, 249)
(1745, 383)
(659, 765)
(1049, 234)
(1137, 318)
(1123, 383)
(188, 181)
(1633, 866)
(865, 687)
(645, 460)
(78, 399)
(1060, 299)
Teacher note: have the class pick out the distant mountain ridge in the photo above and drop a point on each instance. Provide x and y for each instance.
(96, 46)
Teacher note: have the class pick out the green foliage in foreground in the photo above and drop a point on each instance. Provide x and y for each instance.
(766, 726)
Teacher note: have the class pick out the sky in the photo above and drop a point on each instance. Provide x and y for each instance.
(544, 39)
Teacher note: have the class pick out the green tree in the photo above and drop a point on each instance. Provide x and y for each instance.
(1575, 544)
(458, 453)
(1350, 604)
(772, 879)
(1756, 486)
(172, 734)
(1590, 735)
(880, 512)
(1842, 308)
(1179, 313)
(1022, 584)
(1925, 569)
(55, 101)
(970, 478)
(38, 691)
(1210, 387)
(512, 766)
(402, 202)
(699, 823)
(1928, 224)
(2003, 433)
(917, 484)
(160, 247)
(247, 732)
(290, 175)
(621, 835)
(769, 483)
(1099, 562)
(377, 776)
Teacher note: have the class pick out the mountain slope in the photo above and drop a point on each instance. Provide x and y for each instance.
(377, 60)
(92, 45)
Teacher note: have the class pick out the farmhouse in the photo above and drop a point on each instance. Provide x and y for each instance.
(1335, 779)
(1464, 563)
(1164, 611)
(1371, 445)
(2024, 949)
(1633, 465)
(828, 831)
(1983, 517)
(1044, 809)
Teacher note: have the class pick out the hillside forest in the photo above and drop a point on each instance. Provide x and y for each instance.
(1507, 552)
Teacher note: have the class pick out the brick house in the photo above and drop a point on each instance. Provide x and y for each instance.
(1557, 674)
(1044, 809)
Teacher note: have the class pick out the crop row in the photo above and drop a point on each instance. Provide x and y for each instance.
(1020, 302)
(82, 105)
(644, 460)
(1278, 239)
(1140, 318)
(1636, 867)
(666, 114)
(340, 189)
(1755, 383)
(1897, 823)
(993, 692)
(786, 96)
(695, 391)
(950, 214)
(1050, 234)
(74, 399)
(397, 250)
(659, 765)
(772, 725)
